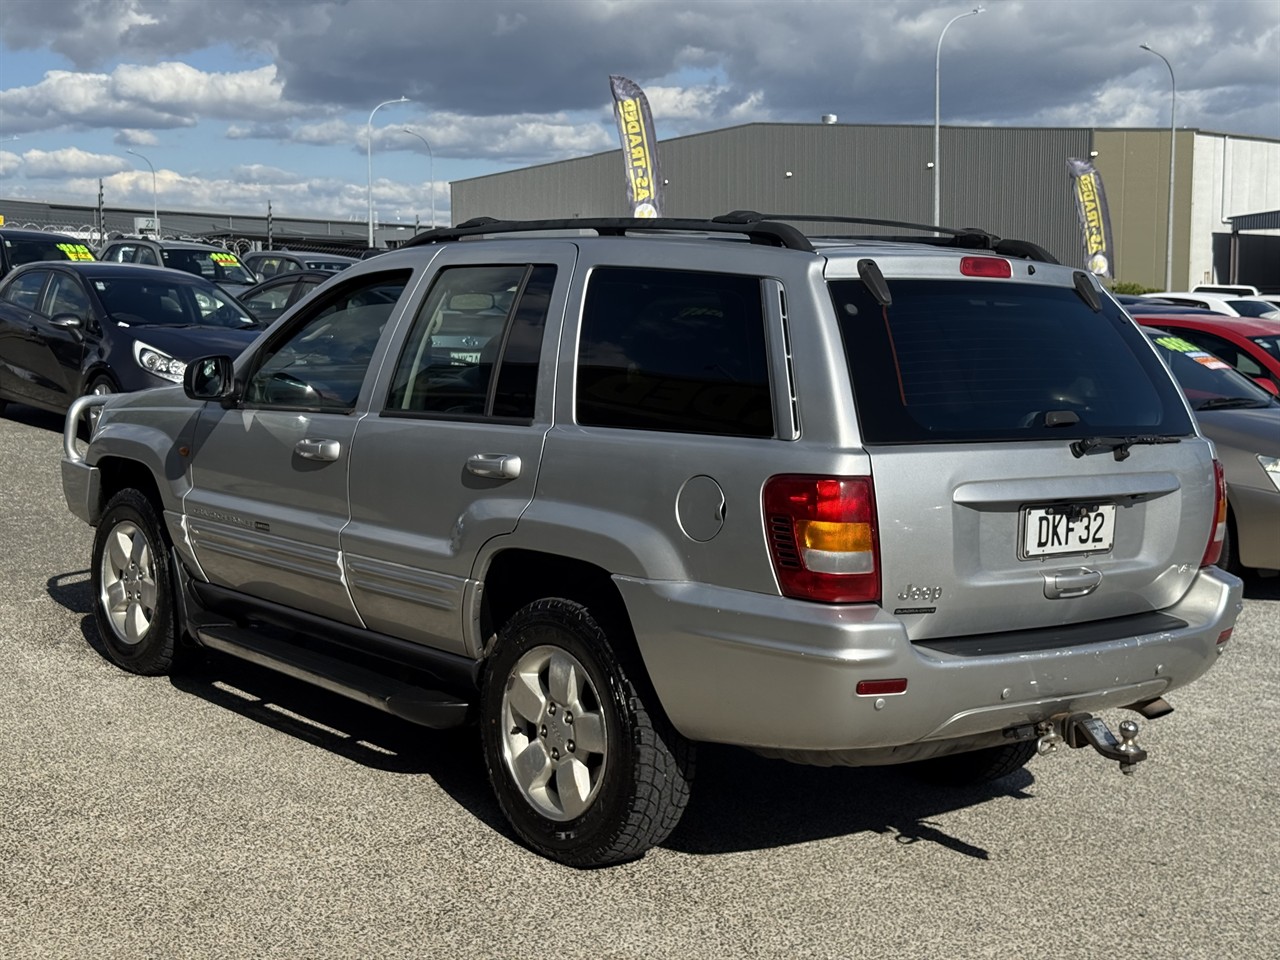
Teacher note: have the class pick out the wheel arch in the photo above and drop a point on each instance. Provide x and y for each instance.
(516, 577)
(120, 473)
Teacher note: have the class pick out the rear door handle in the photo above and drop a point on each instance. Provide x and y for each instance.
(504, 466)
(310, 449)
(1064, 584)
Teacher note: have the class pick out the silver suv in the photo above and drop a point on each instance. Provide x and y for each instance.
(613, 487)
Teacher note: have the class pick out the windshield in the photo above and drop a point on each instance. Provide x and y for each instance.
(957, 360)
(1208, 382)
(1269, 344)
(1255, 308)
(27, 250)
(137, 301)
(217, 265)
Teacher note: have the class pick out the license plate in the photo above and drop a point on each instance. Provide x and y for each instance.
(1054, 531)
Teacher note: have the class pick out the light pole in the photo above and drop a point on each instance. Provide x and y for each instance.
(1173, 158)
(937, 119)
(369, 141)
(431, 176)
(155, 210)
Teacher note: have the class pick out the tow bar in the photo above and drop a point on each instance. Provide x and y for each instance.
(1085, 730)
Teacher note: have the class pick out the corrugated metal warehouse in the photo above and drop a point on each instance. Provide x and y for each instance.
(1010, 181)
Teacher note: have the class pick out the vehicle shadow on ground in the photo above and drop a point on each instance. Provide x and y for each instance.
(742, 801)
(34, 417)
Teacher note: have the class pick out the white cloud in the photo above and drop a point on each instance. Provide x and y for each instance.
(71, 162)
(9, 163)
(136, 138)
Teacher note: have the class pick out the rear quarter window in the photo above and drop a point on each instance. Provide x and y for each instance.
(954, 360)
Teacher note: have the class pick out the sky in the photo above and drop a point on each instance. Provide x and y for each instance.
(236, 104)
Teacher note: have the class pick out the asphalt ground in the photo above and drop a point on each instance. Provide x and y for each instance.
(230, 813)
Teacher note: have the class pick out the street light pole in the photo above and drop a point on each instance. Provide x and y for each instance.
(937, 115)
(155, 209)
(431, 175)
(1173, 158)
(369, 141)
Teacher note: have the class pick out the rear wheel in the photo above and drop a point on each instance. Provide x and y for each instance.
(977, 766)
(1229, 559)
(584, 770)
(132, 587)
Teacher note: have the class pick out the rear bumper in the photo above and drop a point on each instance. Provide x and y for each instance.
(777, 674)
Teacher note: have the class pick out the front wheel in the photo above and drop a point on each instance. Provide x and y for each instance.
(132, 587)
(586, 773)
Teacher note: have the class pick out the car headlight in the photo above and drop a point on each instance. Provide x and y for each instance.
(1272, 467)
(158, 362)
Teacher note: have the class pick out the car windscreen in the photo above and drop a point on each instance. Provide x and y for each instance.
(33, 249)
(139, 301)
(1208, 382)
(956, 360)
(219, 266)
(1269, 344)
(1255, 308)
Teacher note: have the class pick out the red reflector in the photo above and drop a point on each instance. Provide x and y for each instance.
(876, 688)
(1225, 635)
(985, 267)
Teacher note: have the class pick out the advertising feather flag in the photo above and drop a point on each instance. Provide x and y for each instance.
(639, 147)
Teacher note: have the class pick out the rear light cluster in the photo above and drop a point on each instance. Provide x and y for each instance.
(1218, 530)
(823, 537)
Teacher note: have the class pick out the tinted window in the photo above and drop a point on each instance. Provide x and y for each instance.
(674, 350)
(1209, 382)
(30, 250)
(66, 295)
(214, 265)
(971, 360)
(319, 361)
(25, 290)
(148, 301)
(475, 321)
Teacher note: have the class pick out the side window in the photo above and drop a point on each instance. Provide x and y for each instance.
(474, 322)
(674, 350)
(66, 295)
(320, 360)
(25, 290)
(120, 253)
(273, 298)
(146, 255)
(1225, 350)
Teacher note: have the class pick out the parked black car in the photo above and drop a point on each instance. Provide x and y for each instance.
(272, 297)
(69, 328)
(27, 246)
(201, 259)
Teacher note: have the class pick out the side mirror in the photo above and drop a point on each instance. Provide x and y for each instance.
(66, 321)
(1267, 384)
(210, 378)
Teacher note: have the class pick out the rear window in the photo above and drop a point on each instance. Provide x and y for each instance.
(970, 360)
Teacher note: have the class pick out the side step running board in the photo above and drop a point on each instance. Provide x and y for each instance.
(428, 708)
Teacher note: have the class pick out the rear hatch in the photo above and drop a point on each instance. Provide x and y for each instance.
(1034, 464)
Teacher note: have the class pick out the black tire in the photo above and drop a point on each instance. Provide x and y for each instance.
(611, 794)
(100, 386)
(133, 600)
(977, 766)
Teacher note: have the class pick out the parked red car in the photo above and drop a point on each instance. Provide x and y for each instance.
(1250, 344)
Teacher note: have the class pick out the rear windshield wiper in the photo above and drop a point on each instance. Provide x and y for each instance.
(1118, 445)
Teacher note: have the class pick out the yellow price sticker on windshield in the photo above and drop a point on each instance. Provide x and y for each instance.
(76, 251)
(225, 258)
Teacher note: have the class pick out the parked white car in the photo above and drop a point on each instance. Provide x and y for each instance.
(1232, 306)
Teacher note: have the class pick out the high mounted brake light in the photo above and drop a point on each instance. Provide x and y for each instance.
(985, 267)
(823, 537)
(1218, 529)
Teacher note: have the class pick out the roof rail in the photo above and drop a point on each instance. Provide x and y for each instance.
(756, 231)
(969, 238)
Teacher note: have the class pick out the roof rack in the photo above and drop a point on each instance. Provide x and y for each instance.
(756, 231)
(761, 228)
(967, 238)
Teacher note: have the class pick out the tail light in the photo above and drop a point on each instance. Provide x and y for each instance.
(823, 537)
(1219, 528)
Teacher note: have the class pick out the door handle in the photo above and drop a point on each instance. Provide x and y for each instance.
(1064, 584)
(504, 466)
(318, 449)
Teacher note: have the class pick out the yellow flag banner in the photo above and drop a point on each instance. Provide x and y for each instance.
(639, 147)
(1095, 220)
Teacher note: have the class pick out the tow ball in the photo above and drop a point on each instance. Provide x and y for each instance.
(1085, 730)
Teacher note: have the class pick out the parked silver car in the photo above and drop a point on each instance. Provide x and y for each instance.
(614, 487)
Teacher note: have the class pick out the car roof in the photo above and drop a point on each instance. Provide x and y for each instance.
(170, 244)
(110, 268)
(22, 234)
(1244, 326)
